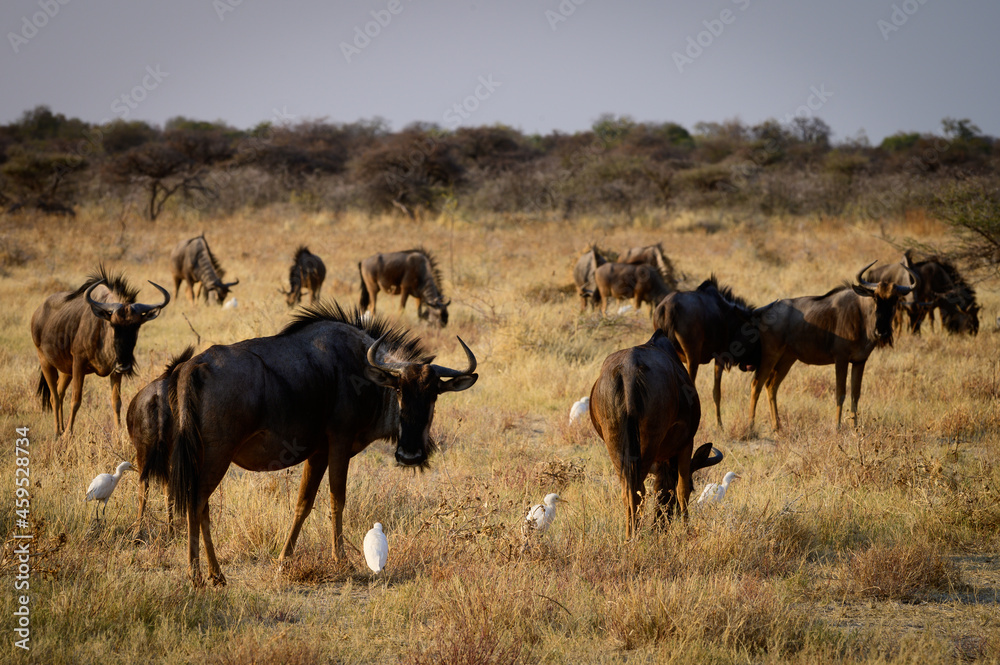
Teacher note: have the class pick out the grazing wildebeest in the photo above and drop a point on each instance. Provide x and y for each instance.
(841, 327)
(308, 272)
(641, 282)
(412, 272)
(646, 410)
(710, 323)
(150, 426)
(193, 262)
(944, 288)
(583, 275)
(318, 392)
(653, 255)
(92, 330)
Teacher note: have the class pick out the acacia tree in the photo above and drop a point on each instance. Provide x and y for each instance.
(971, 207)
(41, 180)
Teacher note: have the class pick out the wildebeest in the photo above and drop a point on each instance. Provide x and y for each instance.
(641, 282)
(193, 262)
(150, 426)
(92, 330)
(583, 275)
(841, 327)
(318, 392)
(412, 272)
(653, 255)
(307, 272)
(944, 288)
(911, 307)
(710, 323)
(646, 410)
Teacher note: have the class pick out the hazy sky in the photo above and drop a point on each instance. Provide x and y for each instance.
(537, 65)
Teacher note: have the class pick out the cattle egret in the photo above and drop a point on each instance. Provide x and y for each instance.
(540, 516)
(625, 309)
(230, 304)
(713, 492)
(580, 407)
(376, 548)
(103, 485)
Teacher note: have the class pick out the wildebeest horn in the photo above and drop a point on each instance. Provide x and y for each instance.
(448, 373)
(394, 368)
(230, 285)
(144, 309)
(863, 282)
(101, 309)
(914, 278)
(444, 303)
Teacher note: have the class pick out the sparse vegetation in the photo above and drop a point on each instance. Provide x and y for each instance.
(869, 545)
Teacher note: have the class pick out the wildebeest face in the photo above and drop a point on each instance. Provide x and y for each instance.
(417, 386)
(438, 314)
(125, 320)
(886, 296)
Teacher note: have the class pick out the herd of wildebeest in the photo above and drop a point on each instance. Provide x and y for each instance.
(333, 381)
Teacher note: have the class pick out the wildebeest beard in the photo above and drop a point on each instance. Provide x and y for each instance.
(125, 338)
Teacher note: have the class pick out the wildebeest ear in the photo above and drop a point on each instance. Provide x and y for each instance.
(381, 377)
(463, 382)
(862, 291)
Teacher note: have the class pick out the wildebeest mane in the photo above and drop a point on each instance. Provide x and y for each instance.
(300, 251)
(115, 281)
(952, 273)
(211, 257)
(726, 292)
(435, 269)
(402, 342)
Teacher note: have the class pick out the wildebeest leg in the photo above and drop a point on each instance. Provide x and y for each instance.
(841, 387)
(116, 398)
(717, 392)
(57, 383)
(762, 375)
(314, 294)
(857, 371)
(338, 495)
(143, 493)
(312, 475)
(77, 393)
(773, 383)
(194, 514)
(170, 510)
(214, 570)
(664, 482)
(190, 289)
(684, 485)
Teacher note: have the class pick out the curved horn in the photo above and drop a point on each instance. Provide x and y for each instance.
(143, 308)
(447, 372)
(394, 368)
(101, 309)
(862, 281)
(914, 279)
(230, 285)
(444, 303)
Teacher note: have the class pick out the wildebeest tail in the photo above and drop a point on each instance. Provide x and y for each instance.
(365, 296)
(43, 392)
(157, 463)
(627, 427)
(188, 450)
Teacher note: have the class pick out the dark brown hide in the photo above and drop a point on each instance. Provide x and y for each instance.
(307, 273)
(92, 330)
(707, 324)
(645, 408)
(193, 262)
(642, 283)
(583, 276)
(318, 392)
(409, 273)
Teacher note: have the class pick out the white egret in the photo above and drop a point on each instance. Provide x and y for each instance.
(231, 304)
(376, 548)
(580, 407)
(540, 516)
(103, 485)
(713, 492)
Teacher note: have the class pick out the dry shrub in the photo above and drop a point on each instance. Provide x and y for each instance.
(961, 423)
(547, 294)
(745, 614)
(247, 650)
(898, 572)
(556, 474)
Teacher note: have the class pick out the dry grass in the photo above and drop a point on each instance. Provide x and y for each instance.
(870, 545)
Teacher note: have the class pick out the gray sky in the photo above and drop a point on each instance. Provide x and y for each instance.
(537, 65)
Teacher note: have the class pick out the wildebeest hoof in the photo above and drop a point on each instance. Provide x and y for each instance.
(218, 580)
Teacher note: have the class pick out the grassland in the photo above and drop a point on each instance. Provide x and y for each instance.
(880, 544)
